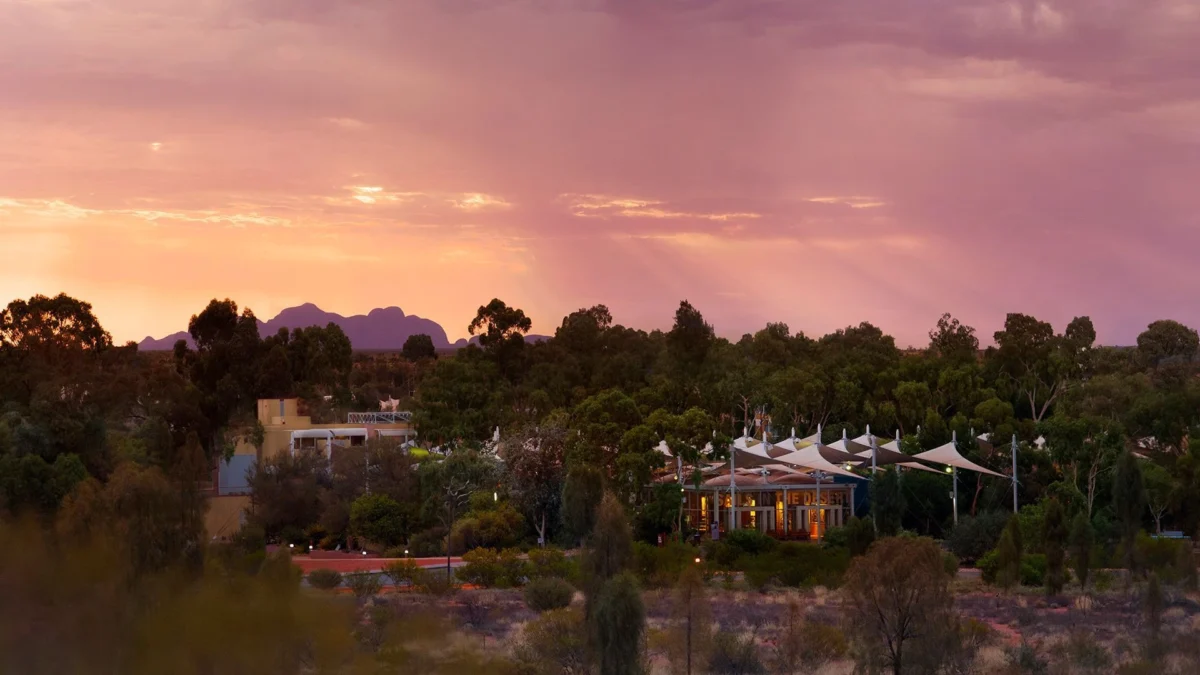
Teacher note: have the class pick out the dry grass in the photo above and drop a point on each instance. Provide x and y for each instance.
(1114, 619)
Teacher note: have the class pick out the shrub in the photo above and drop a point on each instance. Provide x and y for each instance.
(950, 562)
(1026, 658)
(661, 565)
(750, 542)
(478, 608)
(429, 543)
(1033, 569)
(1185, 567)
(550, 562)
(860, 534)
(733, 653)
(481, 568)
(989, 565)
(1010, 552)
(796, 564)
(962, 644)
(1085, 655)
(434, 582)
(495, 528)
(811, 565)
(514, 571)
(1032, 518)
(378, 518)
(325, 579)
(396, 552)
(491, 569)
(1159, 555)
(759, 571)
(547, 593)
(805, 646)
(250, 538)
(553, 643)
(404, 571)
(364, 584)
(973, 537)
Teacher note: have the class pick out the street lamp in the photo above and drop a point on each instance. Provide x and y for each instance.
(953, 471)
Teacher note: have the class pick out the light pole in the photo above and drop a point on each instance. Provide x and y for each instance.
(953, 471)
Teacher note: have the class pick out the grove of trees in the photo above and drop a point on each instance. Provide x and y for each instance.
(107, 453)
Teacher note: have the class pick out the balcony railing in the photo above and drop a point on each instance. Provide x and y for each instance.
(378, 417)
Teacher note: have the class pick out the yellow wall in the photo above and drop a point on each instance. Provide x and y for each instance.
(224, 516)
(269, 410)
(278, 428)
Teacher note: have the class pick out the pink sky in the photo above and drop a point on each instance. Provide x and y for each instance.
(819, 163)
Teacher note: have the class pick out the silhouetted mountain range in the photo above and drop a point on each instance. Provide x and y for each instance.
(380, 329)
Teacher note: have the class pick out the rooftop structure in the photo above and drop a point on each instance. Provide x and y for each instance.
(285, 430)
(794, 488)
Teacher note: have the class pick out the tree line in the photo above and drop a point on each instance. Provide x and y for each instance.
(588, 406)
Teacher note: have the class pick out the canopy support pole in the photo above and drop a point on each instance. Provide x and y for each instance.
(732, 488)
(954, 478)
(1014, 476)
(818, 476)
(874, 471)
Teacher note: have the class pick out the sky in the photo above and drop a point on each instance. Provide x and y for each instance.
(813, 162)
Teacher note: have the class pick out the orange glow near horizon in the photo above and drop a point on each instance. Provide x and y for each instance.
(818, 164)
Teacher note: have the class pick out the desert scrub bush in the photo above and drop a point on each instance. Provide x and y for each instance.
(491, 569)
(548, 593)
(363, 584)
(325, 579)
(404, 571)
(550, 562)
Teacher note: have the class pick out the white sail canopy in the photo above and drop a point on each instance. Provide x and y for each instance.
(948, 454)
(889, 453)
(841, 452)
(893, 446)
(810, 457)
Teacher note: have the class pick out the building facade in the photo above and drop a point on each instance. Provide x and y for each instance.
(286, 430)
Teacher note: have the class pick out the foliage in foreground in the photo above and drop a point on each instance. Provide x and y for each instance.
(72, 607)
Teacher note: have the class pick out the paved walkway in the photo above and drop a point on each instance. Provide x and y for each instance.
(365, 563)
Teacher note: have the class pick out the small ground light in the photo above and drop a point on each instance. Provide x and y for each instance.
(291, 546)
(697, 561)
(405, 553)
